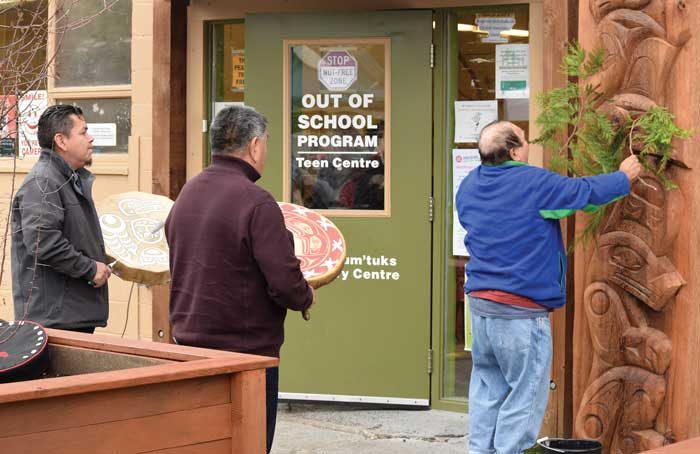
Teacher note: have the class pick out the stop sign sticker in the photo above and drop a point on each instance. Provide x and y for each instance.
(337, 70)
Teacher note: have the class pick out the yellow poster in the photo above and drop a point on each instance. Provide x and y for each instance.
(237, 71)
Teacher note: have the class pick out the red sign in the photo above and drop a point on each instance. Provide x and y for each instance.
(337, 70)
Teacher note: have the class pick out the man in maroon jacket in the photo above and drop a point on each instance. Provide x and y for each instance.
(234, 272)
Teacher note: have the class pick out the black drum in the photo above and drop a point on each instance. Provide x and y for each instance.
(23, 351)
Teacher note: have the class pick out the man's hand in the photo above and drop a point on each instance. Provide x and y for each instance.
(631, 167)
(306, 315)
(313, 297)
(102, 273)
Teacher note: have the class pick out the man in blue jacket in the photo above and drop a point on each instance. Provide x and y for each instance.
(515, 277)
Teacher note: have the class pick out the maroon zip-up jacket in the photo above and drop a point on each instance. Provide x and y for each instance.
(234, 272)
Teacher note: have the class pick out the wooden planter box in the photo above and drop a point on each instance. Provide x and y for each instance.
(691, 446)
(114, 395)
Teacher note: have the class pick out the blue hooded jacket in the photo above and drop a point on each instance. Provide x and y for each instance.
(511, 213)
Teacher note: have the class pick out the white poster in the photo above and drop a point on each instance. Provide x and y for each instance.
(105, 134)
(29, 108)
(512, 71)
(219, 106)
(471, 117)
(494, 26)
(463, 162)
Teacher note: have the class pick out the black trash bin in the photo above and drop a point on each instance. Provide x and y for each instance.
(562, 445)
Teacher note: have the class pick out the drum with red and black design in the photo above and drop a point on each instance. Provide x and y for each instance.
(24, 354)
(318, 244)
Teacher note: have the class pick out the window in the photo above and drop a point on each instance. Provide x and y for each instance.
(97, 53)
(336, 115)
(109, 122)
(482, 90)
(93, 69)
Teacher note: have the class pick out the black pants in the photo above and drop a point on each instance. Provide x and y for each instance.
(271, 390)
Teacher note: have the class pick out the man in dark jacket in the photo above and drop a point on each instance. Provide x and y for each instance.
(59, 275)
(515, 277)
(234, 272)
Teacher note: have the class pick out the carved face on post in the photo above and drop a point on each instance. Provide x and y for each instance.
(648, 348)
(602, 410)
(625, 261)
(600, 8)
(644, 214)
(642, 39)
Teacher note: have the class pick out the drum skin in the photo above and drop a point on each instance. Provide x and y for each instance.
(24, 353)
(318, 244)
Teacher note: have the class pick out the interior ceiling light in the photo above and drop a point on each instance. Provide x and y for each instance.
(475, 29)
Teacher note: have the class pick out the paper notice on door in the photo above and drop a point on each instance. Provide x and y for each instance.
(463, 162)
(512, 71)
(105, 134)
(237, 71)
(471, 117)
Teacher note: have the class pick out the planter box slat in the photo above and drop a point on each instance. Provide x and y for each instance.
(101, 381)
(691, 446)
(113, 405)
(144, 434)
(248, 426)
(211, 447)
(129, 346)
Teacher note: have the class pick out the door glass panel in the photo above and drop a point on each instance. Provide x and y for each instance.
(479, 36)
(338, 95)
(227, 82)
(228, 65)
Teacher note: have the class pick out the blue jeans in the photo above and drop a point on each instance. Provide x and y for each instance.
(509, 385)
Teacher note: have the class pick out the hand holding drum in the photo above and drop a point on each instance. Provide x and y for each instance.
(318, 244)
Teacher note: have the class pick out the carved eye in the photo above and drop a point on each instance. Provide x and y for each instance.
(625, 257)
(635, 201)
(633, 207)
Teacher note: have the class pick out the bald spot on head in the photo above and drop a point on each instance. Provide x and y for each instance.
(496, 140)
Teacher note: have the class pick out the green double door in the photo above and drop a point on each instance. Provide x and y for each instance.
(369, 335)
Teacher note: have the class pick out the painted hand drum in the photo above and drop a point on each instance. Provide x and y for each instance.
(23, 352)
(318, 244)
(132, 229)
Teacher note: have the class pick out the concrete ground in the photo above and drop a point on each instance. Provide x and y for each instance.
(334, 429)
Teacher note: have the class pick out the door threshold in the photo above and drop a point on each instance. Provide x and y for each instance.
(355, 399)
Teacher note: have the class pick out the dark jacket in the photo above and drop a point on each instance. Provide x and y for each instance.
(54, 224)
(511, 213)
(234, 272)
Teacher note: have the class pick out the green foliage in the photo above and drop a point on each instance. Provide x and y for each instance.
(587, 142)
(656, 131)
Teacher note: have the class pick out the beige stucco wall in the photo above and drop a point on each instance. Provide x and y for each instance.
(115, 173)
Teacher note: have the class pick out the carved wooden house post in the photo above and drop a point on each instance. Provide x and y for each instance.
(637, 319)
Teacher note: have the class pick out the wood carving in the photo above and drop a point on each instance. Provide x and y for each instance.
(630, 276)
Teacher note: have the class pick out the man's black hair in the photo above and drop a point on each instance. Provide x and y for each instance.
(54, 120)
